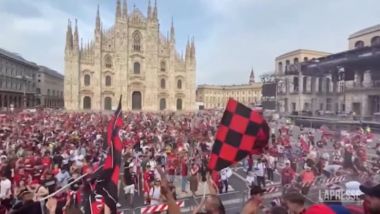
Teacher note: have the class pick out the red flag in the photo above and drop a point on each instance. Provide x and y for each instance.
(107, 177)
(241, 132)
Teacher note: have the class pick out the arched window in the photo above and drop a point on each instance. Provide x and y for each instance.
(320, 82)
(87, 102)
(87, 80)
(280, 69)
(287, 63)
(136, 100)
(179, 104)
(108, 61)
(136, 41)
(304, 85)
(163, 66)
(136, 68)
(375, 40)
(179, 84)
(108, 81)
(305, 59)
(295, 61)
(295, 84)
(359, 44)
(163, 83)
(162, 104)
(108, 103)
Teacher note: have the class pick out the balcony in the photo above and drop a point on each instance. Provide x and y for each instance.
(295, 90)
(357, 87)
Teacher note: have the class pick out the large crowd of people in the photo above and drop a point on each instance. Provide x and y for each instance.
(44, 150)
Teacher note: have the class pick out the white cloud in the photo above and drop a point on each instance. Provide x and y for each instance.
(231, 35)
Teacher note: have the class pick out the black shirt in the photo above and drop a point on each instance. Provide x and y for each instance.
(50, 184)
(128, 177)
(57, 159)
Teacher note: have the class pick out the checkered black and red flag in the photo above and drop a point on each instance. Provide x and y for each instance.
(241, 132)
(107, 177)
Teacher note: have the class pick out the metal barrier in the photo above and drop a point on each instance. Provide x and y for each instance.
(232, 201)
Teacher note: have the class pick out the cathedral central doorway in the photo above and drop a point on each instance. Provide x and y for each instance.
(86, 102)
(108, 103)
(162, 104)
(136, 100)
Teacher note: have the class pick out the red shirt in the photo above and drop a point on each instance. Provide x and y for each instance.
(171, 170)
(46, 161)
(366, 206)
(146, 177)
(184, 169)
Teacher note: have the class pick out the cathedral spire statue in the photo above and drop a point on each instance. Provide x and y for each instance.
(97, 27)
(118, 9)
(155, 13)
(172, 32)
(76, 36)
(252, 77)
(125, 9)
(69, 36)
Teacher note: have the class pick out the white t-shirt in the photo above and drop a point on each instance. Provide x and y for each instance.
(250, 179)
(271, 161)
(225, 173)
(280, 149)
(332, 168)
(155, 192)
(260, 171)
(5, 188)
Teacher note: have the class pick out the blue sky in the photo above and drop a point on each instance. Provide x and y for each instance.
(232, 36)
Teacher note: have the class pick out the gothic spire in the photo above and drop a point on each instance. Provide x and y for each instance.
(149, 13)
(252, 77)
(187, 54)
(118, 9)
(192, 48)
(125, 8)
(76, 36)
(69, 36)
(155, 13)
(172, 32)
(97, 27)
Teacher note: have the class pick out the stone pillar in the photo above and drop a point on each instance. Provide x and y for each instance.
(291, 85)
(357, 79)
(367, 79)
(308, 84)
(365, 106)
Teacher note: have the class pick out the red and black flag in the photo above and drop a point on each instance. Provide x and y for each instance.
(107, 176)
(242, 131)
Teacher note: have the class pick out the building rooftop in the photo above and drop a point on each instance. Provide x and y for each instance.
(234, 86)
(50, 72)
(302, 51)
(16, 57)
(365, 31)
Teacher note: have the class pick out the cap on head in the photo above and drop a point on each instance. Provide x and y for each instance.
(371, 191)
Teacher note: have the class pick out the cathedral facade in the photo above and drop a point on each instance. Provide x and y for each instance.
(132, 59)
